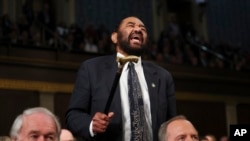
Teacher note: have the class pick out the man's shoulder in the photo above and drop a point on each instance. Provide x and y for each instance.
(154, 66)
(100, 59)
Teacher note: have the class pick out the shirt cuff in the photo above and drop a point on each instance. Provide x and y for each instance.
(92, 134)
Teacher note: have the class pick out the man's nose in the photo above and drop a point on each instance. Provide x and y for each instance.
(41, 138)
(137, 28)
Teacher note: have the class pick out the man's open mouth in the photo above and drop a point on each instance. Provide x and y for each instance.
(136, 38)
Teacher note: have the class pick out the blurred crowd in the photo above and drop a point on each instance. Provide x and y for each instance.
(176, 45)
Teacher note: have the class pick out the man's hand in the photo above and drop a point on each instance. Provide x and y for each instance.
(101, 122)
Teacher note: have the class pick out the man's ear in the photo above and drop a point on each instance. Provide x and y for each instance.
(114, 37)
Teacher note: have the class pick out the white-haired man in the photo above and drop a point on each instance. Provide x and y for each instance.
(35, 124)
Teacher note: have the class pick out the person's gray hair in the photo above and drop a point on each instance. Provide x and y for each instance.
(17, 124)
(163, 128)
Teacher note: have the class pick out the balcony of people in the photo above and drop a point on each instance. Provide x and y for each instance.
(176, 45)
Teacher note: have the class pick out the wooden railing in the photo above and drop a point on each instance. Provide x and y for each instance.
(48, 65)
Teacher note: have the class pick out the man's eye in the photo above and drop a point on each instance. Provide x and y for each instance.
(130, 25)
(195, 138)
(50, 138)
(34, 136)
(181, 138)
(143, 28)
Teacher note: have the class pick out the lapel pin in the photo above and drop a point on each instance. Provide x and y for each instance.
(153, 85)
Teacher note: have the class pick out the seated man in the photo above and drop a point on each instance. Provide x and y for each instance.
(4, 138)
(66, 135)
(35, 124)
(178, 128)
(210, 137)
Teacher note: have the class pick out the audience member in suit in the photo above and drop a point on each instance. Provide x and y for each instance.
(178, 128)
(224, 138)
(66, 135)
(210, 137)
(5, 138)
(35, 124)
(85, 116)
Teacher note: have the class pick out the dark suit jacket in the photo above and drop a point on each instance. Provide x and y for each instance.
(93, 84)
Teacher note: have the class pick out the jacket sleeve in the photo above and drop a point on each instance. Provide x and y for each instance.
(171, 97)
(77, 117)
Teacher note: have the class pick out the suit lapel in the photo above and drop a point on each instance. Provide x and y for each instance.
(153, 81)
(110, 68)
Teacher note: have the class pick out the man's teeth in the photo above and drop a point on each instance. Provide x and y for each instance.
(135, 39)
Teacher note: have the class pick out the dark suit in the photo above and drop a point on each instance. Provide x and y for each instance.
(92, 88)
